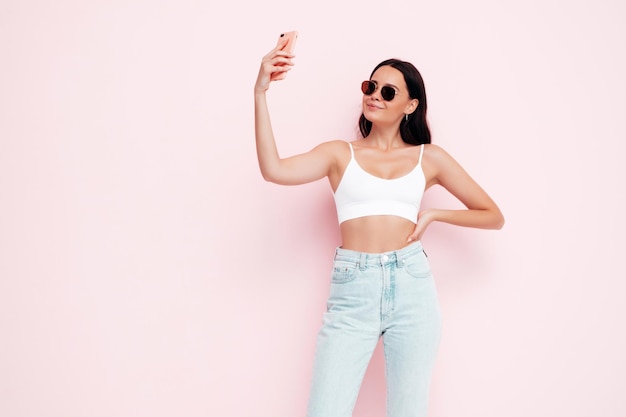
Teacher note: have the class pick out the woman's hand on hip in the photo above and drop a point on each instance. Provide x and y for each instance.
(423, 220)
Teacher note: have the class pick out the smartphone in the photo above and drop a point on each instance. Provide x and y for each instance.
(291, 40)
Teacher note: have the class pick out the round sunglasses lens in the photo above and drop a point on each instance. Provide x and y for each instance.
(368, 87)
(387, 93)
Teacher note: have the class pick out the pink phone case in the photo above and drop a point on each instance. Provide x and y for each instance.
(291, 40)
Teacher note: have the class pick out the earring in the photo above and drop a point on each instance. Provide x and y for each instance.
(406, 117)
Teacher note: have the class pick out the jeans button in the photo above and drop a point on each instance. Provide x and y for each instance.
(385, 258)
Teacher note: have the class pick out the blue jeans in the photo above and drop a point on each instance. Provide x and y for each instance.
(392, 295)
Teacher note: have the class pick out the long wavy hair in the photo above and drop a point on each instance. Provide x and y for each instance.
(415, 130)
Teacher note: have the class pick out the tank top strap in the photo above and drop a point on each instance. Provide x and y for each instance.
(419, 161)
(351, 150)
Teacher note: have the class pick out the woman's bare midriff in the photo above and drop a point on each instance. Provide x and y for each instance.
(376, 234)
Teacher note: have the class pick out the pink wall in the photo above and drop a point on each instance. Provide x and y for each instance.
(146, 269)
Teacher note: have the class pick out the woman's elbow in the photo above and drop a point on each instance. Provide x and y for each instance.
(498, 222)
(268, 174)
(273, 176)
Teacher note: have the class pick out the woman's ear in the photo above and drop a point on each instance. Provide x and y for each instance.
(412, 106)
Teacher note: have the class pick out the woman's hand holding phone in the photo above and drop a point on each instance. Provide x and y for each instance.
(277, 62)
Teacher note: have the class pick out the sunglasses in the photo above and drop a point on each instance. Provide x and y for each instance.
(386, 92)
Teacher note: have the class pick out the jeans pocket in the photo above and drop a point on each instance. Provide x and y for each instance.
(343, 271)
(417, 266)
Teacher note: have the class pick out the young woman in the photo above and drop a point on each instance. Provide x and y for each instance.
(381, 284)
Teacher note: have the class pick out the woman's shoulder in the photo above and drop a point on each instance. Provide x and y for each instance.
(334, 146)
(438, 158)
(335, 143)
(435, 152)
(337, 151)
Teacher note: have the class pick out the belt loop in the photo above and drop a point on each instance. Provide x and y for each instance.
(399, 259)
(362, 261)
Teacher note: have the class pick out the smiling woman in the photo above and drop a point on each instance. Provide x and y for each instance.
(381, 284)
(415, 129)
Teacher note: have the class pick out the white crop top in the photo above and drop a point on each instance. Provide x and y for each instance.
(361, 194)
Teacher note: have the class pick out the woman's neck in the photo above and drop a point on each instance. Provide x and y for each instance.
(385, 139)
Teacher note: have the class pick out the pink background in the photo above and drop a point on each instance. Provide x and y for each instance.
(146, 269)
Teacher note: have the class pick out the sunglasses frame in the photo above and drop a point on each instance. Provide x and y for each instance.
(387, 92)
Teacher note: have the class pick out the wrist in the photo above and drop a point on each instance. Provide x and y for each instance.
(428, 216)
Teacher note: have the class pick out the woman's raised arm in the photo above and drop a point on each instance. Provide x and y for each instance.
(299, 169)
